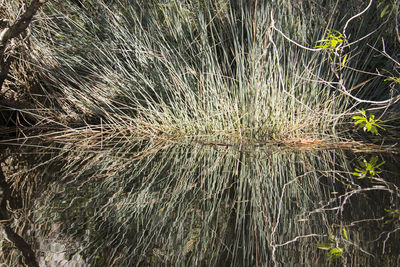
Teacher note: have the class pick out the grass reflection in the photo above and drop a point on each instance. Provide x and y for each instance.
(207, 205)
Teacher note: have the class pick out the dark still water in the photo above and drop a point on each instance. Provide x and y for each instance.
(215, 206)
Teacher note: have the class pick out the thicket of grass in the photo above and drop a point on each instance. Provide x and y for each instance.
(136, 82)
(206, 69)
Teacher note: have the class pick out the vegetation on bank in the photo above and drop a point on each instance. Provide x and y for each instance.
(208, 70)
(109, 91)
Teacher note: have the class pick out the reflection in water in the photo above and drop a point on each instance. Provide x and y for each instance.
(213, 205)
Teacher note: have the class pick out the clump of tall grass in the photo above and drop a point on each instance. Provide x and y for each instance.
(136, 77)
(210, 70)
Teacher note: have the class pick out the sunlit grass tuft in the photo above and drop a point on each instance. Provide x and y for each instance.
(191, 71)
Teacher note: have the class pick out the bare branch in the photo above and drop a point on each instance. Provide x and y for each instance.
(21, 25)
(355, 16)
(14, 31)
(299, 45)
(287, 38)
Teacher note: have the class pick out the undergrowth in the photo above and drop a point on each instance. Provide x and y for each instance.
(137, 83)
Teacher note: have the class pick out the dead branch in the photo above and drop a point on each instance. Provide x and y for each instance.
(14, 31)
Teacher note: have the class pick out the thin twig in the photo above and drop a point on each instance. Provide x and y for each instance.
(299, 45)
(355, 16)
(272, 26)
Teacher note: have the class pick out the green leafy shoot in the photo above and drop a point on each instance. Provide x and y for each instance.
(327, 245)
(334, 251)
(368, 124)
(391, 77)
(368, 168)
(332, 41)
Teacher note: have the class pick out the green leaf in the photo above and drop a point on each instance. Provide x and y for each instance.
(344, 60)
(385, 10)
(358, 118)
(345, 233)
(336, 252)
(380, 164)
(325, 246)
